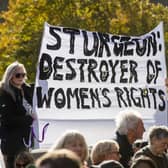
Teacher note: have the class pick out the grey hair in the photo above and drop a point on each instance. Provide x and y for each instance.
(158, 132)
(127, 119)
(8, 74)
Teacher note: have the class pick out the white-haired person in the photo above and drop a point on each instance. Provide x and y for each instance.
(157, 147)
(15, 110)
(105, 150)
(74, 141)
(129, 128)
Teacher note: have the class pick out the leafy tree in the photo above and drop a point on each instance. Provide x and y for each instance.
(21, 31)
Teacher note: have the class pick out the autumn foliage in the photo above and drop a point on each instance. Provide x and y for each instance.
(22, 26)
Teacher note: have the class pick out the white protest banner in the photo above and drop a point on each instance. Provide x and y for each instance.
(93, 75)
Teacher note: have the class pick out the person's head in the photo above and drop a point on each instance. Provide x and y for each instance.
(75, 141)
(129, 122)
(23, 159)
(138, 144)
(158, 139)
(143, 162)
(105, 150)
(108, 164)
(62, 158)
(15, 74)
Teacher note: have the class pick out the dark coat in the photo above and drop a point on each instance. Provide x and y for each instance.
(126, 150)
(160, 161)
(15, 124)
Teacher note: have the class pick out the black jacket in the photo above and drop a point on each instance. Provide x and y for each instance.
(126, 150)
(15, 124)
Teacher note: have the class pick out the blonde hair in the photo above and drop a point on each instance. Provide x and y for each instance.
(5, 83)
(102, 149)
(69, 137)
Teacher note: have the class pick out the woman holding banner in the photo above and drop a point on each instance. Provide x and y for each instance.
(15, 112)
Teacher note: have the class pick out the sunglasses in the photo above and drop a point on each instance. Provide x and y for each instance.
(19, 75)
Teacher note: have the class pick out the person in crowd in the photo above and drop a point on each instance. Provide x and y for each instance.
(16, 112)
(105, 150)
(158, 145)
(143, 162)
(108, 164)
(23, 159)
(138, 144)
(61, 158)
(129, 128)
(74, 141)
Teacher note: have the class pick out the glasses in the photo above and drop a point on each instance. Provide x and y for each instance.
(18, 165)
(19, 75)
